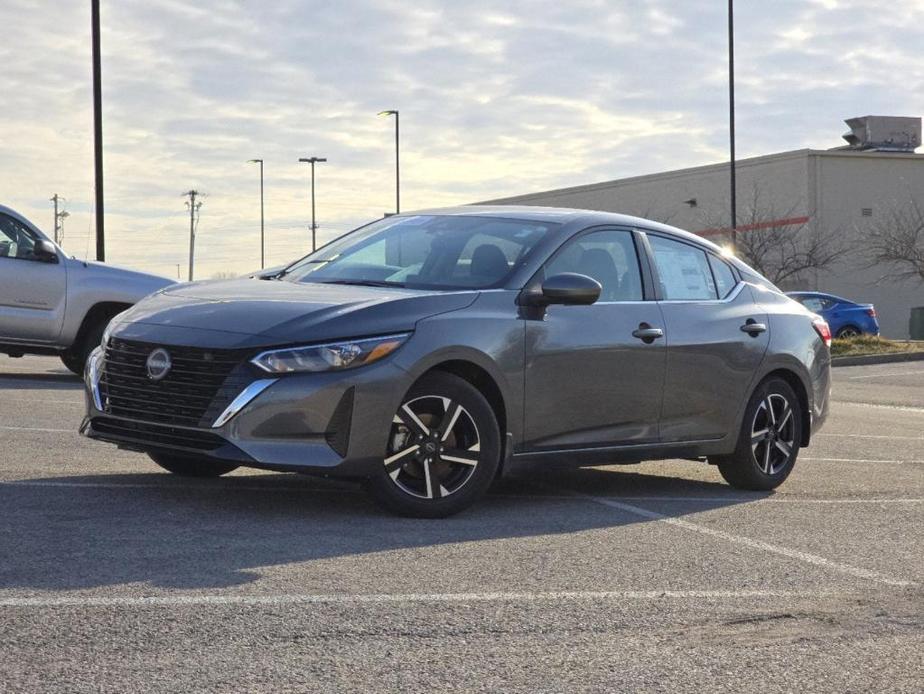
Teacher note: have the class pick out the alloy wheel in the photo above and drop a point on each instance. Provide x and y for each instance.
(773, 434)
(434, 447)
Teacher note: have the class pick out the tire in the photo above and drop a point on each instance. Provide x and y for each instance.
(191, 466)
(774, 416)
(847, 331)
(75, 358)
(439, 458)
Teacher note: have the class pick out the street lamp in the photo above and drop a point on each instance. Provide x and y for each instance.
(731, 124)
(262, 246)
(397, 158)
(314, 226)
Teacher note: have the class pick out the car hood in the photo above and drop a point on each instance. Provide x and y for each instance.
(261, 312)
(92, 268)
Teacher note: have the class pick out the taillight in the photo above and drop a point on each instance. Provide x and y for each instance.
(823, 329)
(871, 311)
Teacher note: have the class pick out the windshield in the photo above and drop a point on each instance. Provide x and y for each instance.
(426, 252)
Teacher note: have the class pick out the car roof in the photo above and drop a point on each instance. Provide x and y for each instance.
(564, 215)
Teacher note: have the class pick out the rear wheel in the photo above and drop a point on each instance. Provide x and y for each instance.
(846, 332)
(442, 453)
(191, 466)
(768, 443)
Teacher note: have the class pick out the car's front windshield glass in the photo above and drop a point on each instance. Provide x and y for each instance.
(425, 251)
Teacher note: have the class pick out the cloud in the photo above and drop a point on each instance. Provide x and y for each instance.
(496, 99)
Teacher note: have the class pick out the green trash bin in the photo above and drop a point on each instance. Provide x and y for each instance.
(916, 324)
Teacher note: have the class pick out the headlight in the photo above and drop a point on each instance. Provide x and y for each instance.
(335, 356)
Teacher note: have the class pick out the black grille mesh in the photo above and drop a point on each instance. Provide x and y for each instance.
(198, 387)
(155, 434)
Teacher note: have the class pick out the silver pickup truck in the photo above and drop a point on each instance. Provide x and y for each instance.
(53, 304)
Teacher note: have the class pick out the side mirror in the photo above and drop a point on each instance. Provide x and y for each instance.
(45, 251)
(569, 288)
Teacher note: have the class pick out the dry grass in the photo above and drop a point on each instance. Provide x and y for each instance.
(870, 344)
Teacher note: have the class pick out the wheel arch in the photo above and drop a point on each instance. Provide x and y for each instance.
(98, 311)
(487, 385)
(796, 383)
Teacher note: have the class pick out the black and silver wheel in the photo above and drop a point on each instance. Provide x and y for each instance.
(442, 451)
(847, 332)
(191, 466)
(769, 441)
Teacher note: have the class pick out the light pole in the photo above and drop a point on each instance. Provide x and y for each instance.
(262, 239)
(314, 226)
(731, 124)
(397, 157)
(97, 129)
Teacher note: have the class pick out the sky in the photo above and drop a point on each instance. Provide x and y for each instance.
(496, 99)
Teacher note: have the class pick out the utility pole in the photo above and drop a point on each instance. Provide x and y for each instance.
(262, 246)
(314, 226)
(98, 130)
(54, 198)
(193, 220)
(397, 116)
(731, 124)
(60, 216)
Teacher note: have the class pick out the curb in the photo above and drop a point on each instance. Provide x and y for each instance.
(862, 360)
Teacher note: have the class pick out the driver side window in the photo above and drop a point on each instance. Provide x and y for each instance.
(609, 256)
(15, 240)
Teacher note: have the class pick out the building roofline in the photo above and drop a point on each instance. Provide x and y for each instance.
(705, 168)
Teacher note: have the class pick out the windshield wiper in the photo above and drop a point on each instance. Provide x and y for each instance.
(363, 283)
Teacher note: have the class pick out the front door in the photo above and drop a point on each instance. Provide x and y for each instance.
(589, 381)
(32, 292)
(716, 337)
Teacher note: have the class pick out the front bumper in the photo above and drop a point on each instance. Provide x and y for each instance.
(333, 423)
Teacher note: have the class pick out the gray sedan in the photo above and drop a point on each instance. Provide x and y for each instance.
(423, 352)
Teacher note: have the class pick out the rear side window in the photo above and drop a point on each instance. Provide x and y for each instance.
(724, 277)
(816, 303)
(683, 271)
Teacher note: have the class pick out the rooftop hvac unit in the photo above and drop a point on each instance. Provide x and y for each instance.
(884, 133)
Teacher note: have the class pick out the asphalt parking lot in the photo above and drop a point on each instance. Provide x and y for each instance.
(117, 577)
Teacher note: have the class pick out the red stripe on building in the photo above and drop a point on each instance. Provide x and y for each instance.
(757, 225)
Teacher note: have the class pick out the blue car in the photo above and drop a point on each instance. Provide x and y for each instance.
(846, 318)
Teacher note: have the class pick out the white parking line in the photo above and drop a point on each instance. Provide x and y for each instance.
(883, 375)
(860, 460)
(276, 600)
(48, 430)
(869, 436)
(900, 408)
(804, 557)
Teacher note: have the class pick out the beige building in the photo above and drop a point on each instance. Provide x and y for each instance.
(836, 194)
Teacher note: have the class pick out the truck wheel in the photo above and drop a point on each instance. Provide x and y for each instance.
(75, 358)
(192, 467)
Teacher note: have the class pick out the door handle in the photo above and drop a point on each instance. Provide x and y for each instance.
(753, 328)
(647, 334)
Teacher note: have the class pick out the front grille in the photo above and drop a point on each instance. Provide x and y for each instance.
(155, 434)
(200, 384)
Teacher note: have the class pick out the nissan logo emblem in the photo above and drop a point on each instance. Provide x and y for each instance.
(158, 364)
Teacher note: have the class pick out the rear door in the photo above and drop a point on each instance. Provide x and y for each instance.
(716, 338)
(588, 380)
(32, 292)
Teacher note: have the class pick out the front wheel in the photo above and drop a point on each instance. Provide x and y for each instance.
(769, 440)
(442, 452)
(191, 466)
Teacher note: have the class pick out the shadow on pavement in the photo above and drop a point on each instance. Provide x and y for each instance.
(40, 381)
(197, 534)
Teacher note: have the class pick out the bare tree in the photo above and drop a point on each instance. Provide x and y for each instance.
(896, 240)
(782, 244)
